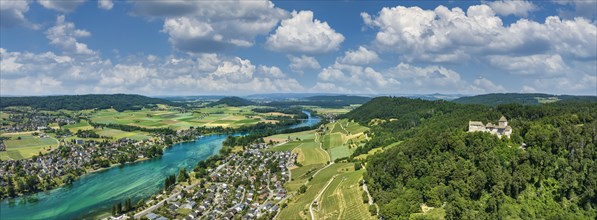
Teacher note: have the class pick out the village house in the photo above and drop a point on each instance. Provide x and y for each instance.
(501, 129)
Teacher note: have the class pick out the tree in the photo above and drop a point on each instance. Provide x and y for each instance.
(302, 189)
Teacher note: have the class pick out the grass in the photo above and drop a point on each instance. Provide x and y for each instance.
(28, 146)
(343, 199)
(83, 125)
(164, 117)
(311, 154)
(298, 207)
(337, 111)
(118, 134)
(332, 140)
(435, 213)
(303, 135)
(286, 146)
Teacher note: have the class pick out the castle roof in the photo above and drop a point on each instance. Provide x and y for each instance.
(489, 125)
(503, 119)
(475, 123)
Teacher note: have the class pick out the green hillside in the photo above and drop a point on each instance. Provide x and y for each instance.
(232, 101)
(120, 102)
(521, 98)
(439, 165)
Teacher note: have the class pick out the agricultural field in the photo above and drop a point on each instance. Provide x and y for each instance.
(83, 125)
(298, 206)
(27, 146)
(342, 137)
(337, 111)
(303, 135)
(343, 199)
(164, 117)
(118, 134)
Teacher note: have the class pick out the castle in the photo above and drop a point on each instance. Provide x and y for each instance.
(502, 129)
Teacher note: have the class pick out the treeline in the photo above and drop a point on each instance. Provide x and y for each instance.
(553, 175)
(257, 132)
(122, 127)
(322, 101)
(233, 101)
(296, 111)
(120, 102)
(496, 99)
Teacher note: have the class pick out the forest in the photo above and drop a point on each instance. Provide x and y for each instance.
(119, 102)
(520, 98)
(232, 101)
(546, 170)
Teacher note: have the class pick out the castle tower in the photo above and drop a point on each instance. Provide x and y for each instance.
(503, 123)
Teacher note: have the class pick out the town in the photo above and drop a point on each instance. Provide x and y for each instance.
(69, 161)
(246, 185)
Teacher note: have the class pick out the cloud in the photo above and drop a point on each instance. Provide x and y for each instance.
(302, 33)
(330, 87)
(64, 6)
(207, 26)
(362, 56)
(12, 14)
(528, 89)
(299, 64)
(204, 73)
(582, 8)
(8, 62)
(545, 65)
(271, 71)
(357, 78)
(487, 86)
(444, 35)
(428, 78)
(105, 4)
(512, 7)
(65, 35)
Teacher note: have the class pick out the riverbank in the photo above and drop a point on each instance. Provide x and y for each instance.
(94, 193)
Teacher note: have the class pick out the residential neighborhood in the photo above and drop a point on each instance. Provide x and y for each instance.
(246, 185)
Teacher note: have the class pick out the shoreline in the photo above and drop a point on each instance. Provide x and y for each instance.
(106, 168)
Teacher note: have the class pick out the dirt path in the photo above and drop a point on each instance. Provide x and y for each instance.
(319, 194)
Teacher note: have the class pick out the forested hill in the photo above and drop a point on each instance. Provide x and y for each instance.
(120, 102)
(232, 101)
(323, 101)
(477, 175)
(520, 98)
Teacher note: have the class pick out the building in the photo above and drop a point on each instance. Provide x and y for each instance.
(501, 129)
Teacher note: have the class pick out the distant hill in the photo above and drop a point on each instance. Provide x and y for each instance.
(520, 98)
(233, 101)
(120, 102)
(285, 96)
(323, 101)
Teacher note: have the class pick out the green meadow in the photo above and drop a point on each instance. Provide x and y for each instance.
(25, 147)
(165, 117)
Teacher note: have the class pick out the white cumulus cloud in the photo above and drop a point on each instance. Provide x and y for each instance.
(208, 26)
(302, 33)
(105, 4)
(362, 56)
(512, 7)
(65, 35)
(303, 62)
(64, 6)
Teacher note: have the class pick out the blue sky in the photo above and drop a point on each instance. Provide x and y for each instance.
(183, 47)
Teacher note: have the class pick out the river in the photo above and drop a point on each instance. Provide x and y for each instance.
(93, 195)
